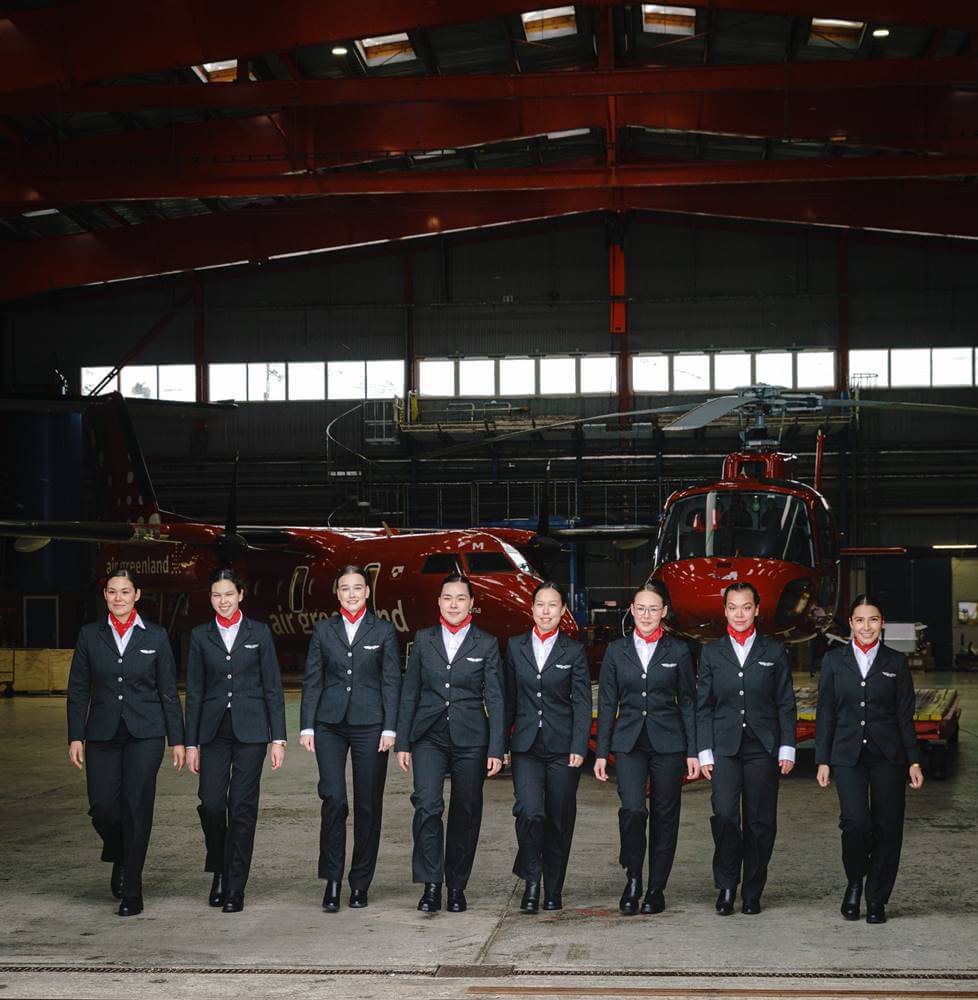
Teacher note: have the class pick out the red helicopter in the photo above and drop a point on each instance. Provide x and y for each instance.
(758, 523)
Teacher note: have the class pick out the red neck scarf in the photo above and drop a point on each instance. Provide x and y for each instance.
(467, 620)
(544, 636)
(866, 649)
(741, 637)
(351, 618)
(228, 622)
(651, 637)
(123, 627)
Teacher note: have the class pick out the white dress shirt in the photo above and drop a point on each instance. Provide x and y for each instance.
(453, 641)
(864, 660)
(351, 634)
(123, 640)
(742, 651)
(541, 650)
(645, 650)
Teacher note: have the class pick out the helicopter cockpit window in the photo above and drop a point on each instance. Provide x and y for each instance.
(731, 523)
(489, 562)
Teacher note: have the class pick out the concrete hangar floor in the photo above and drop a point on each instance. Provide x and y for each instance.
(61, 937)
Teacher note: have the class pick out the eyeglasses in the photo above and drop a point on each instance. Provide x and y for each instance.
(640, 610)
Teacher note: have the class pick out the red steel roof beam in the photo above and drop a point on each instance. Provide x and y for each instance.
(776, 77)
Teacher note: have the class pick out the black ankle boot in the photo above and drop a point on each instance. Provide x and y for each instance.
(430, 901)
(851, 900)
(216, 897)
(531, 898)
(331, 898)
(725, 902)
(628, 904)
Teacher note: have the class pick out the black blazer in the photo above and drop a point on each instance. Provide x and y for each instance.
(469, 689)
(661, 698)
(248, 678)
(139, 687)
(559, 696)
(852, 710)
(759, 695)
(359, 683)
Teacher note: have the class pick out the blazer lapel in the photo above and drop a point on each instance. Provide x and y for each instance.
(105, 633)
(879, 660)
(757, 650)
(438, 643)
(215, 636)
(631, 654)
(660, 652)
(726, 647)
(850, 660)
(243, 634)
(366, 627)
(340, 630)
(467, 643)
(560, 644)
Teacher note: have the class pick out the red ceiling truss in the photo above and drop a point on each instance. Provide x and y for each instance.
(868, 142)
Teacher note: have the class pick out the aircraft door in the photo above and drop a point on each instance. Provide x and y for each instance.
(297, 589)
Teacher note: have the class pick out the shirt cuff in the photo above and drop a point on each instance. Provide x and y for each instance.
(307, 732)
(390, 733)
(281, 743)
(706, 758)
(191, 746)
(786, 753)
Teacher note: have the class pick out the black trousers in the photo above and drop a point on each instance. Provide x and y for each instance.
(745, 817)
(121, 778)
(871, 803)
(439, 857)
(334, 741)
(229, 789)
(665, 771)
(545, 787)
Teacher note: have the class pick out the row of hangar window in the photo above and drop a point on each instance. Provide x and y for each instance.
(686, 372)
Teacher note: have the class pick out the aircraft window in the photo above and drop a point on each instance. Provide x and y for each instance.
(518, 558)
(730, 523)
(480, 563)
(441, 563)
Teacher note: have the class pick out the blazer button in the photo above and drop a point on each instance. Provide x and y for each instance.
(229, 677)
(349, 671)
(230, 693)
(743, 711)
(350, 653)
(120, 697)
(447, 684)
(861, 683)
(120, 679)
(741, 674)
(865, 741)
(539, 711)
(863, 722)
(862, 704)
(744, 725)
(119, 660)
(539, 694)
(644, 676)
(349, 689)
(227, 657)
(645, 694)
(447, 704)
(645, 713)
(741, 693)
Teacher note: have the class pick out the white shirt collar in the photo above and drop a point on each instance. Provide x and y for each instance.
(542, 647)
(742, 651)
(123, 641)
(864, 660)
(645, 650)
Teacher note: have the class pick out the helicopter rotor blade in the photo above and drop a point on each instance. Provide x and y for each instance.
(706, 413)
(883, 404)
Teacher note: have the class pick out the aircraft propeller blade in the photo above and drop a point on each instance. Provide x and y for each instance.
(706, 413)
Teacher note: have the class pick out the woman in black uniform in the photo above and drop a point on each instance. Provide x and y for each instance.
(451, 721)
(349, 708)
(865, 736)
(235, 707)
(745, 703)
(122, 701)
(647, 718)
(548, 711)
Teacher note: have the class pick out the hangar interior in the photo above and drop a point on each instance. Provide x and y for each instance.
(445, 258)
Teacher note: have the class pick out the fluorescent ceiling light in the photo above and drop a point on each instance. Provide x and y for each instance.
(39, 212)
(339, 50)
(955, 545)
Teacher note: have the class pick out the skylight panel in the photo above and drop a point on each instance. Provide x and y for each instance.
(664, 19)
(551, 22)
(386, 49)
(222, 71)
(835, 32)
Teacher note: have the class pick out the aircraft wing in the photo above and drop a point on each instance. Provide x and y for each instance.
(33, 535)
